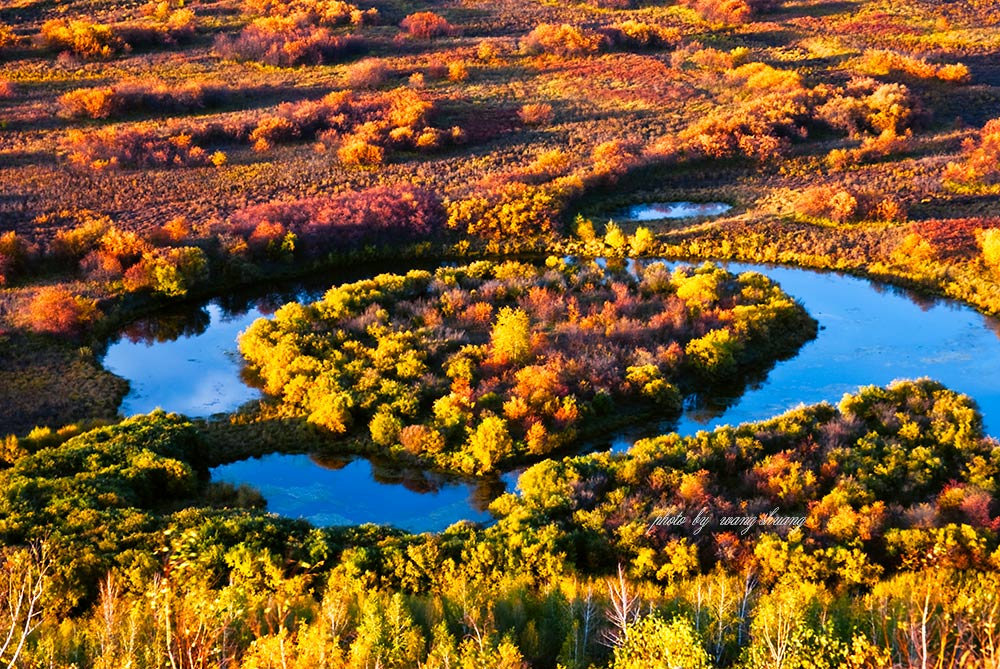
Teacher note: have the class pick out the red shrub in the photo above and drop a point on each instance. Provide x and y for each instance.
(286, 44)
(427, 25)
(956, 237)
(378, 215)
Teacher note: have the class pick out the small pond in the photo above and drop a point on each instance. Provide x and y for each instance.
(655, 211)
(187, 361)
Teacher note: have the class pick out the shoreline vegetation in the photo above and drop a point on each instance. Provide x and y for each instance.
(896, 511)
(473, 368)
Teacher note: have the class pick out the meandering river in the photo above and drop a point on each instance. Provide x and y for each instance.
(869, 334)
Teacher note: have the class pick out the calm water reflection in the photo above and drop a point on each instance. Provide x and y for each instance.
(655, 211)
(352, 492)
(186, 361)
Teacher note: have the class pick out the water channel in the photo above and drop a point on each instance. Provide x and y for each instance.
(186, 361)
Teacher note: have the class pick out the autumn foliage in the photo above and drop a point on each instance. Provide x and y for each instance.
(979, 168)
(485, 362)
(285, 43)
(57, 310)
(842, 205)
(563, 40)
(426, 25)
(133, 97)
(385, 214)
(112, 148)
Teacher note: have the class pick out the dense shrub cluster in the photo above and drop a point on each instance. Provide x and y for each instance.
(729, 11)
(116, 147)
(881, 62)
(370, 122)
(511, 211)
(135, 97)
(470, 367)
(867, 478)
(288, 33)
(563, 40)
(890, 550)
(381, 215)
(57, 310)
(846, 205)
(770, 108)
(104, 252)
(83, 38)
(286, 43)
(426, 25)
(979, 168)
(866, 106)
(329, 13)
(162, 24)
(105, 484)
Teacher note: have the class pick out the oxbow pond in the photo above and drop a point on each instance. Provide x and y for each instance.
(187, 361)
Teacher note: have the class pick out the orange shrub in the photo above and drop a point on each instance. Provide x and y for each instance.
(273, 129)
(357, 152)
(722, 11)
(842, 205)
(89, 102)
(563, 40)
(7, 89)
(56, 310)
(457, 71)
(173, 231)
(955, 73)
(83, 38)
(426, 25)
(614, 158)
(881, 62)
(8, 37)
(535, 114)
(979, 168)
(316, 12)
(111, 148)
(131, 97)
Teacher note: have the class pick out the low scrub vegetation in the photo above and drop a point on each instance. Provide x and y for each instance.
(472, 367)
